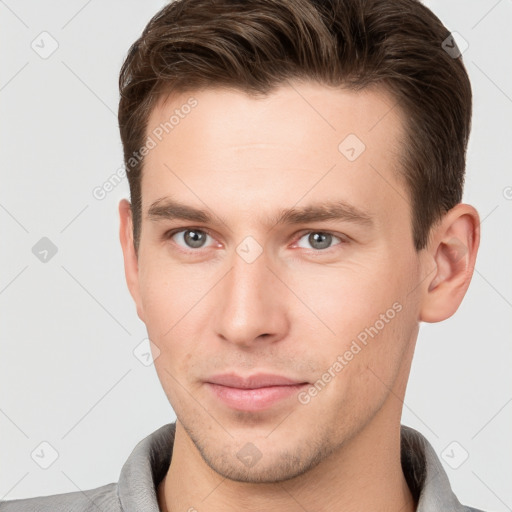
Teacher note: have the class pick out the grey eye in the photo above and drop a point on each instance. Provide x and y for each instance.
(319, 240)
(193, 238)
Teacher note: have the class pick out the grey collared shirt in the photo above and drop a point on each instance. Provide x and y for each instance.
(148, 463)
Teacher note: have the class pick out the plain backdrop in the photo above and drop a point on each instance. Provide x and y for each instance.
(68, 373)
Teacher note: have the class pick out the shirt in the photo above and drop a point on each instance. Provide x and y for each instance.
(149, 461)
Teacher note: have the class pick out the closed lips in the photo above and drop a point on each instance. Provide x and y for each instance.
(256, 381)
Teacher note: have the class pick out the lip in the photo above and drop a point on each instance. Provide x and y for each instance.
(254, 392)
(258, 380)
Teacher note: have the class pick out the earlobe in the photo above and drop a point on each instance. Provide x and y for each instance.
(454, 248)
(131, 264)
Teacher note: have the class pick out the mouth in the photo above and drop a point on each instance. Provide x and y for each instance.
(253, 393)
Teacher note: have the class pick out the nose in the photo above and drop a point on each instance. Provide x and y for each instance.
(251, 303)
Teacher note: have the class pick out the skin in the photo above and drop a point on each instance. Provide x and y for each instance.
(296, 307)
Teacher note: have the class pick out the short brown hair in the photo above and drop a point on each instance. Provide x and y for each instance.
(256, 45)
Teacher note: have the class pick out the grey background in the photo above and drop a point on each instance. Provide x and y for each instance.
(68, 374)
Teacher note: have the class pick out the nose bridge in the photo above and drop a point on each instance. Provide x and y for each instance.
(249, 304)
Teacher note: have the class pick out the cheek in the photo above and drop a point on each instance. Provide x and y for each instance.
(349, 297)
(168, 294)
(366, 368)
(168, 305)
(364, 312)
(172, 298)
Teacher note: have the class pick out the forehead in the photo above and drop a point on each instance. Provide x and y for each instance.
(302, 141)
(308, 108)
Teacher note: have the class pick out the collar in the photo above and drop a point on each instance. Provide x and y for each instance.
(149, 461)
(425, 474)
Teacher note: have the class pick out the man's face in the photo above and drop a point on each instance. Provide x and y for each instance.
(244, 294)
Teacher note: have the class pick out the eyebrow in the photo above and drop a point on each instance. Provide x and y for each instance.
(166, 208)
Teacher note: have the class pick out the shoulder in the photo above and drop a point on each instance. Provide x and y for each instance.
(92, 500)
(471, 509)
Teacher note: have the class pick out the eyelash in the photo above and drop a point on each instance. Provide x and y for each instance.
(343, 239)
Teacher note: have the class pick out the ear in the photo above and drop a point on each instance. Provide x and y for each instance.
(131, 264)
(450, 262)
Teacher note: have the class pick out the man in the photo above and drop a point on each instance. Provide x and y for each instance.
(296, 171)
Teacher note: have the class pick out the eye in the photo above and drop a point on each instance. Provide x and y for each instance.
(319, 240)
(189, 238)
(194, 239)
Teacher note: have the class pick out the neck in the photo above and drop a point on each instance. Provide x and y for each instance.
(364, 474)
